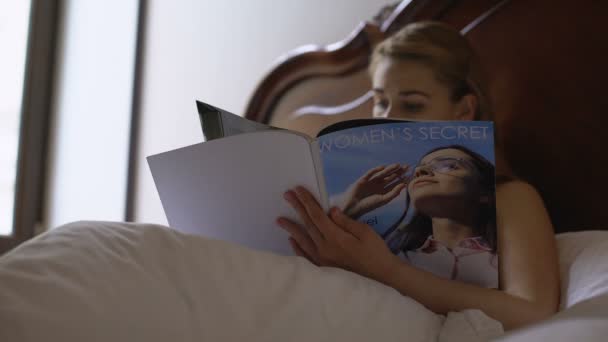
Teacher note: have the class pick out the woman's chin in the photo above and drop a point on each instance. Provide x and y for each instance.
(424, 193)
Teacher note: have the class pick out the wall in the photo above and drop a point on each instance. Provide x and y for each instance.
(217, 51)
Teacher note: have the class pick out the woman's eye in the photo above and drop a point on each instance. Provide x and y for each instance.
(447, 166)
(412, 107)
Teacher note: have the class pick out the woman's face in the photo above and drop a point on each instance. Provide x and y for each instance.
(443, 178)
(409, 90)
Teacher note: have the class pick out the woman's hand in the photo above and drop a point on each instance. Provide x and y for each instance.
(336, 240)
(374, 189)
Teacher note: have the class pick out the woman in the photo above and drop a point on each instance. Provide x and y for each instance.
(453, 231)
(428, 71)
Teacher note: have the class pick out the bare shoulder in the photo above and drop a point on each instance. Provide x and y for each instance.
(526, 245)
(515, 198)
(517, 189)
(522, 218)
(521, 212)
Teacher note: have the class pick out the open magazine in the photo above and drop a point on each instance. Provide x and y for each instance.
(231, 186)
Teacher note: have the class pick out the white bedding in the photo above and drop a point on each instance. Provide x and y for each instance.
(583, 266)
(583, 316)
(100, 281)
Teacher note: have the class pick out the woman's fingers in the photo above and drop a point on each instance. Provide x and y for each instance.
(370, 173)
(301, 252)
(386, 171)
(399, 173)
(296, 248)
(393, 181)
(356, 228)
(303, 240)
(309, 224)
(315, 213)
(394, 192)
(391, 177)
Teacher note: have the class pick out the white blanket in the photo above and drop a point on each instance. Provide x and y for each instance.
(100, 281)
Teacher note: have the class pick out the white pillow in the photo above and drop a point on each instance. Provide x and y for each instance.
(583, 260)
(583, 322)
(100, 281)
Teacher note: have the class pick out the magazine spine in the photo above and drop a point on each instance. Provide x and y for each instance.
(315, 151)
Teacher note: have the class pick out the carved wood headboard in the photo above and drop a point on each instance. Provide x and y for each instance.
(546, 65)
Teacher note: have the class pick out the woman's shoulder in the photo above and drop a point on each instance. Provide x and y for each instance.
(516, 196)
(509, 186)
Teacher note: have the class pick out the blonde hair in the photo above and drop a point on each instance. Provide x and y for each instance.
(446, 52)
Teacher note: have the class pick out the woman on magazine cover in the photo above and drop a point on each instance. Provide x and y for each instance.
(428, 71)
(453, 231)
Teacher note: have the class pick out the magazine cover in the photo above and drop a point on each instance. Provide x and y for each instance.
(428, 188)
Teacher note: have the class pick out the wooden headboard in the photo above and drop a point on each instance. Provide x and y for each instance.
(548, 76)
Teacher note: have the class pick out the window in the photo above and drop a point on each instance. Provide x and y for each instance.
(27, 39)
(14, 24)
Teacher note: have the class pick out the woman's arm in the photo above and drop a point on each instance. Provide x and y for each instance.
(528, 257)
(529, 274)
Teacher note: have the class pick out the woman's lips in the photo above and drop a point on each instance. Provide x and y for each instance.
(422, 182)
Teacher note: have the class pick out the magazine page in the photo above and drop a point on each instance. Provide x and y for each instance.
(218, 123)
(232, 188)
(428, 188)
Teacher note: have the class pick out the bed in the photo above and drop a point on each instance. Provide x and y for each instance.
(101, 281)
(545, 65)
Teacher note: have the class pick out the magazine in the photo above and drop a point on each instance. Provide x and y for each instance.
(218, 123)
(396, 176)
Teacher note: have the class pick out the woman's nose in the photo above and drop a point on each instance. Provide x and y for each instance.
(423, 170)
